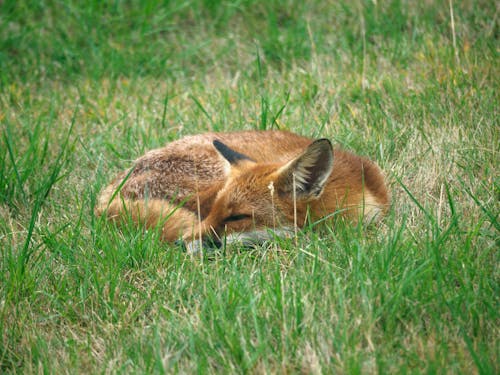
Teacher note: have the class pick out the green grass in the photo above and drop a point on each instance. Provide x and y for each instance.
(86, 87)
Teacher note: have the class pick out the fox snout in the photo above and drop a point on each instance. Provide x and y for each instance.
(202, 237)
(249, 239)
(195, 247)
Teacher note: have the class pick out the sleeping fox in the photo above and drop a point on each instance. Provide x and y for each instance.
(239, 185)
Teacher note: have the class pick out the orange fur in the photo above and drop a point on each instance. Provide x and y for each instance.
(190, 189)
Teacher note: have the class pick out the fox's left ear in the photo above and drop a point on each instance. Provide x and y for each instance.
(234, 158)
(311, 171)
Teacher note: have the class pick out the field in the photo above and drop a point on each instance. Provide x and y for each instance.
(86, 87)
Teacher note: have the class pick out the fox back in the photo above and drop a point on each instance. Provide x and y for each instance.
(239, 184)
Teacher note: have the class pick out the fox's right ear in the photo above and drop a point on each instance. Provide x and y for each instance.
(309, 172)
(233, 157)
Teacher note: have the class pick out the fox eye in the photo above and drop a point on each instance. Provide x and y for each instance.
(236, 218)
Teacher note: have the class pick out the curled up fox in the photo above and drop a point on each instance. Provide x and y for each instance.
(243, 186)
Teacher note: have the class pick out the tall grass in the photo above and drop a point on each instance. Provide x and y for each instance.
(86, 87)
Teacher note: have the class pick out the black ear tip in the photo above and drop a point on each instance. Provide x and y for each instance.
(323, 141)
(228, 153)
(219, 146)
(323, 145)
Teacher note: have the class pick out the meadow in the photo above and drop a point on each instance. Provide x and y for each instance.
(87, 87)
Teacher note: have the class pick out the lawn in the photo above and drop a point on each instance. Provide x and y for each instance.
(87, 87)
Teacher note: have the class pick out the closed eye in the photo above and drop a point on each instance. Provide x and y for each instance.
(236, 218)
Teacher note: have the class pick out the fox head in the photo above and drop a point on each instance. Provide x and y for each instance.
(257, 196)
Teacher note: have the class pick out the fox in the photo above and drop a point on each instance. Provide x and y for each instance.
(244, 186)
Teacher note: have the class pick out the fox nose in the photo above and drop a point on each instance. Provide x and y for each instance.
(196, 246)
(211, 243)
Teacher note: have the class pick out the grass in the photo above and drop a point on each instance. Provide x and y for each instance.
(86, 87)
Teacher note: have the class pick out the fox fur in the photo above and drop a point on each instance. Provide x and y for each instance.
(210, 185)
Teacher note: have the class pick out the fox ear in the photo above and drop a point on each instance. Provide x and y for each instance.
(233, 157)
(311, 171)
